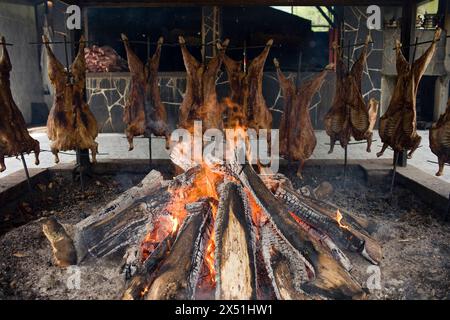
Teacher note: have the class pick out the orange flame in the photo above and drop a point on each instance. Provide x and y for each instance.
(339, 219)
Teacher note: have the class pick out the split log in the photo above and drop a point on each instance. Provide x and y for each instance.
(140, 282)
(371, 250)
(235, 247)
(116, 226)
(331, 280)
(286, 267)
(178, 275)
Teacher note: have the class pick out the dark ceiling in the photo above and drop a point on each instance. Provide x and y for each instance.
(234, 2)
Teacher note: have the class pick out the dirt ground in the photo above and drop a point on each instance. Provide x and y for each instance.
(416, 243)
(415, 240)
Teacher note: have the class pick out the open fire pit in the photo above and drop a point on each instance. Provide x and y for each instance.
(222, 231)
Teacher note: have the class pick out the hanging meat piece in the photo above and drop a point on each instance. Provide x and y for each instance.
(155, 111)
(70, 125)
(134, 114)
(247, 105)
(372, 109)
(348, 115)
(14, 136)
(200, 100)
(297, 137)
(145, 114)
(398, 124)
(440, 140)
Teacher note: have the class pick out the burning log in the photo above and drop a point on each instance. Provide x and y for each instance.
(178, 274)
(116, 226)
(331, 280)
(139, 284)
(235, 247)
(113, 228)
(286, 267)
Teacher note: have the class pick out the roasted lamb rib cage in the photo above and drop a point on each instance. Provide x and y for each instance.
(71, 124)
(348, 115)
(440, 139)
(248, 106)
(297, 137)
(14, 136)
(145, 114)
(399, 123)
(200, 100)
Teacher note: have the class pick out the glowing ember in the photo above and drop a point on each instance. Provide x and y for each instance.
(339, 218)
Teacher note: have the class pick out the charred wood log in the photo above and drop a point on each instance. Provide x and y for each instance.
(116, 226)
(139, 284)
(178, 274)
(286, 267)
(235, 247)
(331, 280)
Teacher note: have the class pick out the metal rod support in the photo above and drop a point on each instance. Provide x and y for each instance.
(27, 173)
(415, 44)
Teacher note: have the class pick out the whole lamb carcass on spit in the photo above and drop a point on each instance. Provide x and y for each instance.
(398, 124)
(14, 136)
(348, 115)
(248, 106)
(200, 100)
(144, 114)
(297, 137)
(440, 139)
(71, 124)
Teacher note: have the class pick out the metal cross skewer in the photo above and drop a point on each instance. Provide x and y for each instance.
(347, 112)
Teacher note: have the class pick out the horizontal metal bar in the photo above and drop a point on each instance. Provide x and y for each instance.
(6, 44)
(356, 44)
(419, 43)
(58, 42)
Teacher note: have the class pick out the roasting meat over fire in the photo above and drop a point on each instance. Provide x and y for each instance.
(297, 137)
(248, 107)
(200, 99)
(144, 111)
(440, 139)
(14, 136)
(348, 115)
(71, 124)
(398, 125)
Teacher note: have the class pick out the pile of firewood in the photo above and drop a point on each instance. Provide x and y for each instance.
(104, 59)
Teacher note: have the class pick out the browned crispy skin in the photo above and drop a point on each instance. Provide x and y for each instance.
(134, 114)
(372, 109)
(70, 125)
(14, 136)
(348, 115)
(297, 137)
(440, 139)
(246, 93)
(200, 100)
(157, 117)
(398, 124)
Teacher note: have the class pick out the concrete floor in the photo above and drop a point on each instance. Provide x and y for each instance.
(115, 146)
